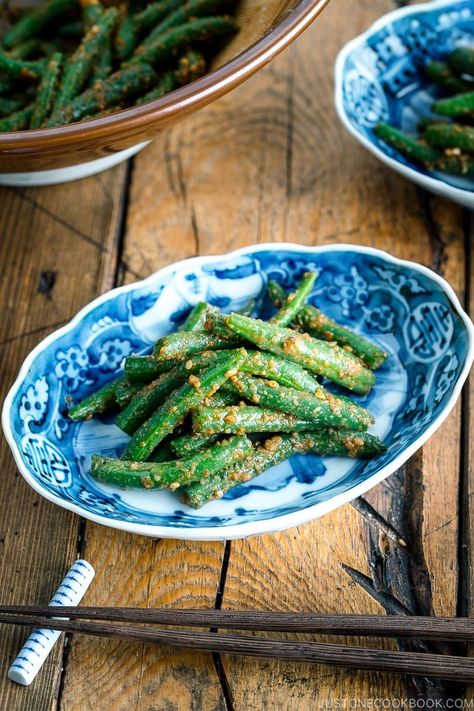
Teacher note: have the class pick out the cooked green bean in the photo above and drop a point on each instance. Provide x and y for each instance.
(144, 369)
(441, 74)
(323, 358)
(21, 68)
(182, 345)
(153, 13)
(31, 24)
(99, 401)
(451, 135)
(459, 105)
(177, 38)
(92, 11)
(462, 60)
(173, 474)
(125, 391)
(294, 302)
(11, 105)
(209, 421)
(189, 444)
(26, 49)
(408, 146)
(462, 165)
(324, 409)
(249, 308)
(196, 318)
(183, 14)
(125, 39)
(17, 121)
(191, 66)
(317, 324)
(277, 449)
(111, 91)
(47, 90)
(180, 402)
(80, 63)
(166, 83)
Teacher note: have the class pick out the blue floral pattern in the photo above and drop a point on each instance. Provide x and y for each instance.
(399, 306)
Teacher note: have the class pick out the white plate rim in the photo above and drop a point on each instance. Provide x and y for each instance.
(464, 197)
(252, 528)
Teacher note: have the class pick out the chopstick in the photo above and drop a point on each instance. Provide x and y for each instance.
(450, 629)
(442, 666)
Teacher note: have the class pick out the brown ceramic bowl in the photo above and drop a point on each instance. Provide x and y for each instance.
(266, 27)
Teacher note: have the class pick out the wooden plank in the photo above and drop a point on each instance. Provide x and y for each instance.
(277, 175)
(43, 231)
(138, 571)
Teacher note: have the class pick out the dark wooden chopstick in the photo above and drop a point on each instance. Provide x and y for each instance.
(454, 629)
(459, 669)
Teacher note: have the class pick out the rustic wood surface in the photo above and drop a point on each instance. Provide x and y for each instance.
(268, 162)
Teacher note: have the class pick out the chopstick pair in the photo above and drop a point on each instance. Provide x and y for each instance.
(455, 668)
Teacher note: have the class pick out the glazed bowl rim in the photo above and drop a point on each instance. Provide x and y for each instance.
(179, 102)
(431, 183)
(276, 523)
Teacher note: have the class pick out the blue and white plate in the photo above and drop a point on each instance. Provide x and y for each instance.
(406, 308)
(379, 78)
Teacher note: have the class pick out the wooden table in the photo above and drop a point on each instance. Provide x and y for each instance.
(268, 162)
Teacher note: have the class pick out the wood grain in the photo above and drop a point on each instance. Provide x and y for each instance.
(43, 231)
(277, 176)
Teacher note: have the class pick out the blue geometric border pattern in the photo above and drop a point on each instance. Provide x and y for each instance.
(404, 310)
(383, 79)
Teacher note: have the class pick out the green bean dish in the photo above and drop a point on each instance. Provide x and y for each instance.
(72, 60)
(228, 396)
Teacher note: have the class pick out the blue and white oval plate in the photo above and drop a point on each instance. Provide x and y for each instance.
(379, 77)
(406, 308)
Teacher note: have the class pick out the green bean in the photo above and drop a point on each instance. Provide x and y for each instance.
(31, 24)
(111, 91)
(103, 64)
(170, 475)
(461, 165)
(176, 38)
(451, 135)
(81, 61)
(294, 302)
(189, 444)
(147, 400)
(11, 105)
(153, 395)
(21, 68)
(99, 401)
(191, 66)
(277, 449)
(144, 369)
(182, 345)
(125, 39)
(281, 370)
(209, 421)
(163, 453)
(196, 318)
(441, 74)
(17, 121)
(26, 49)
(459, 105)
(125, 392)
(326, 359)
(180, 402)
(183, 14)
(408, 146)
(462, 60)
(317, 324)
(324, 409)
(92, 11)
(166, 83)
(249, 308)
(47, 90)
